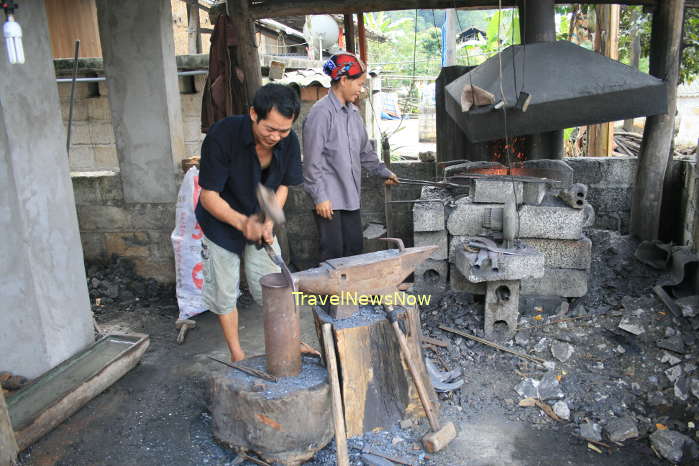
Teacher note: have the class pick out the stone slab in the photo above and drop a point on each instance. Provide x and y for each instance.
(564, 254)
(457, 282)
(429, 238)
(529, 263)
(567, 283)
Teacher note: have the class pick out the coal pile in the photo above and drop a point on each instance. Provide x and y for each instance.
(114, 285)
(619, 367)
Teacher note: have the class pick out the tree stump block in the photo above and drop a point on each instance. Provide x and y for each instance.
(285, 422)
(377, 389)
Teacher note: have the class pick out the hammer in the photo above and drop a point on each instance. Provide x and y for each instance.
(271, 208)
(183, 325)
(439, 437)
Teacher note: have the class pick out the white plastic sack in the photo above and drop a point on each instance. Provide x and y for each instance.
(186, 242)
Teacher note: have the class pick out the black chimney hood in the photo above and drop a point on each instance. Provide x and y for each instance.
(569, 86)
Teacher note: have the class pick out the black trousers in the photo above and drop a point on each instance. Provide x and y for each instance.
(341, 236)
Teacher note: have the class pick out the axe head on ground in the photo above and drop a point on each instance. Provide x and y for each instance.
(269, 205)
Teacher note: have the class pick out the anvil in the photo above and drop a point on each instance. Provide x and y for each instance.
(373, 273)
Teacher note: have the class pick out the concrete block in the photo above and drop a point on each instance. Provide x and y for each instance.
(610, 199)
(428, 216)
(192, 148)
(191, 105)
(106, 157)
(550, 222)
(83, 90)
(152, 216)
(102, 88)
(604, 171)
(191, 128)
(429, 238)
(495, 191)
(529, 263)
(457, 282)
(103, 218)
(161, 271)
(98, 108)
(79, 111)
(128, 244)
(79, 133)
(93, 245)
(81, 158)
(564, 254)
(110, 188)
(85, 190)
(101, 132)
(567, 283)
(431, 276)
(469, 219)
(159, 244)
(501, 307)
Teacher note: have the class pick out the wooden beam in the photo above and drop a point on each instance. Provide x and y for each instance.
(193, 34)
(601, 137)
(349, 33)
(8, 444)
(275, 8)
(666, 37)
(248, 57)
(361, 36)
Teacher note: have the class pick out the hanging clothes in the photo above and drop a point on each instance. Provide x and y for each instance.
(224, 93)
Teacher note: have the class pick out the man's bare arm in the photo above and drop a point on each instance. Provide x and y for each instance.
(219, 208)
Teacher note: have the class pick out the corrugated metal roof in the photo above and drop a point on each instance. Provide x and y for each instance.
(303, 78)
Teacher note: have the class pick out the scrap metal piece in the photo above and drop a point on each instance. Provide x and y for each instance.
(443, 381)
(654, 254)
(683, 273)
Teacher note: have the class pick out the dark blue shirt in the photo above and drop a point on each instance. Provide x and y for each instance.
(229, 166)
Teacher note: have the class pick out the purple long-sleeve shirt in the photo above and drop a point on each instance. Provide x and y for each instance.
(335, 148)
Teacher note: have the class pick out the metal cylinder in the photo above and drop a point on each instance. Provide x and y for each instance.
(282, 327)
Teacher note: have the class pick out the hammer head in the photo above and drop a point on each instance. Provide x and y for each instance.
(269, 204)
(435, 441)
(189, 323)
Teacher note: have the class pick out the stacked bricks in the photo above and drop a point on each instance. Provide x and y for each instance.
(429, 228)
(548, 225)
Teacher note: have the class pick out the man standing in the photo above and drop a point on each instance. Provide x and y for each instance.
(238, 153)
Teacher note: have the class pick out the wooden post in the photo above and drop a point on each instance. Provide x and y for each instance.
(665, 42)
(194, 37)
(248, 58)
(342, 455)
(388, 194)
(8, 444)
(635, 53)
(361, 34)
(601, 137)
(349, 33)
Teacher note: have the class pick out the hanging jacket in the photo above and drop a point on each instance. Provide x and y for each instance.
(222, 96)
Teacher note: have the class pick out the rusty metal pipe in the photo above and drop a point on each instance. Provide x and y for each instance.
(282, 327)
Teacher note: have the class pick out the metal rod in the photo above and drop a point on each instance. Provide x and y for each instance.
(248, 370)
(409, 201)
(491, 344)
(104, 78)
(72, 95)
(282, 327)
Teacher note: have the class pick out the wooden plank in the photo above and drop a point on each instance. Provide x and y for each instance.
(666, 35)
(8, 444)
(71, 20)
(63, 405)
(361, 35)
(349, 33)
(601, 137)
(193, 34)
(342, 457)
(377, 389)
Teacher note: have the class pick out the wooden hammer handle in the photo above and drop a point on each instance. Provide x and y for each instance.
(421, 390)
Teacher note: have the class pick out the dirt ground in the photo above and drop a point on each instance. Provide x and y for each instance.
(157, 413)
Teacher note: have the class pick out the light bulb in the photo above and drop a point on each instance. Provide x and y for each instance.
(13, 40)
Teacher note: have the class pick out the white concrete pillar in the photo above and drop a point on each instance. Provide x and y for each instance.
(139, 62)
(45, 312)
